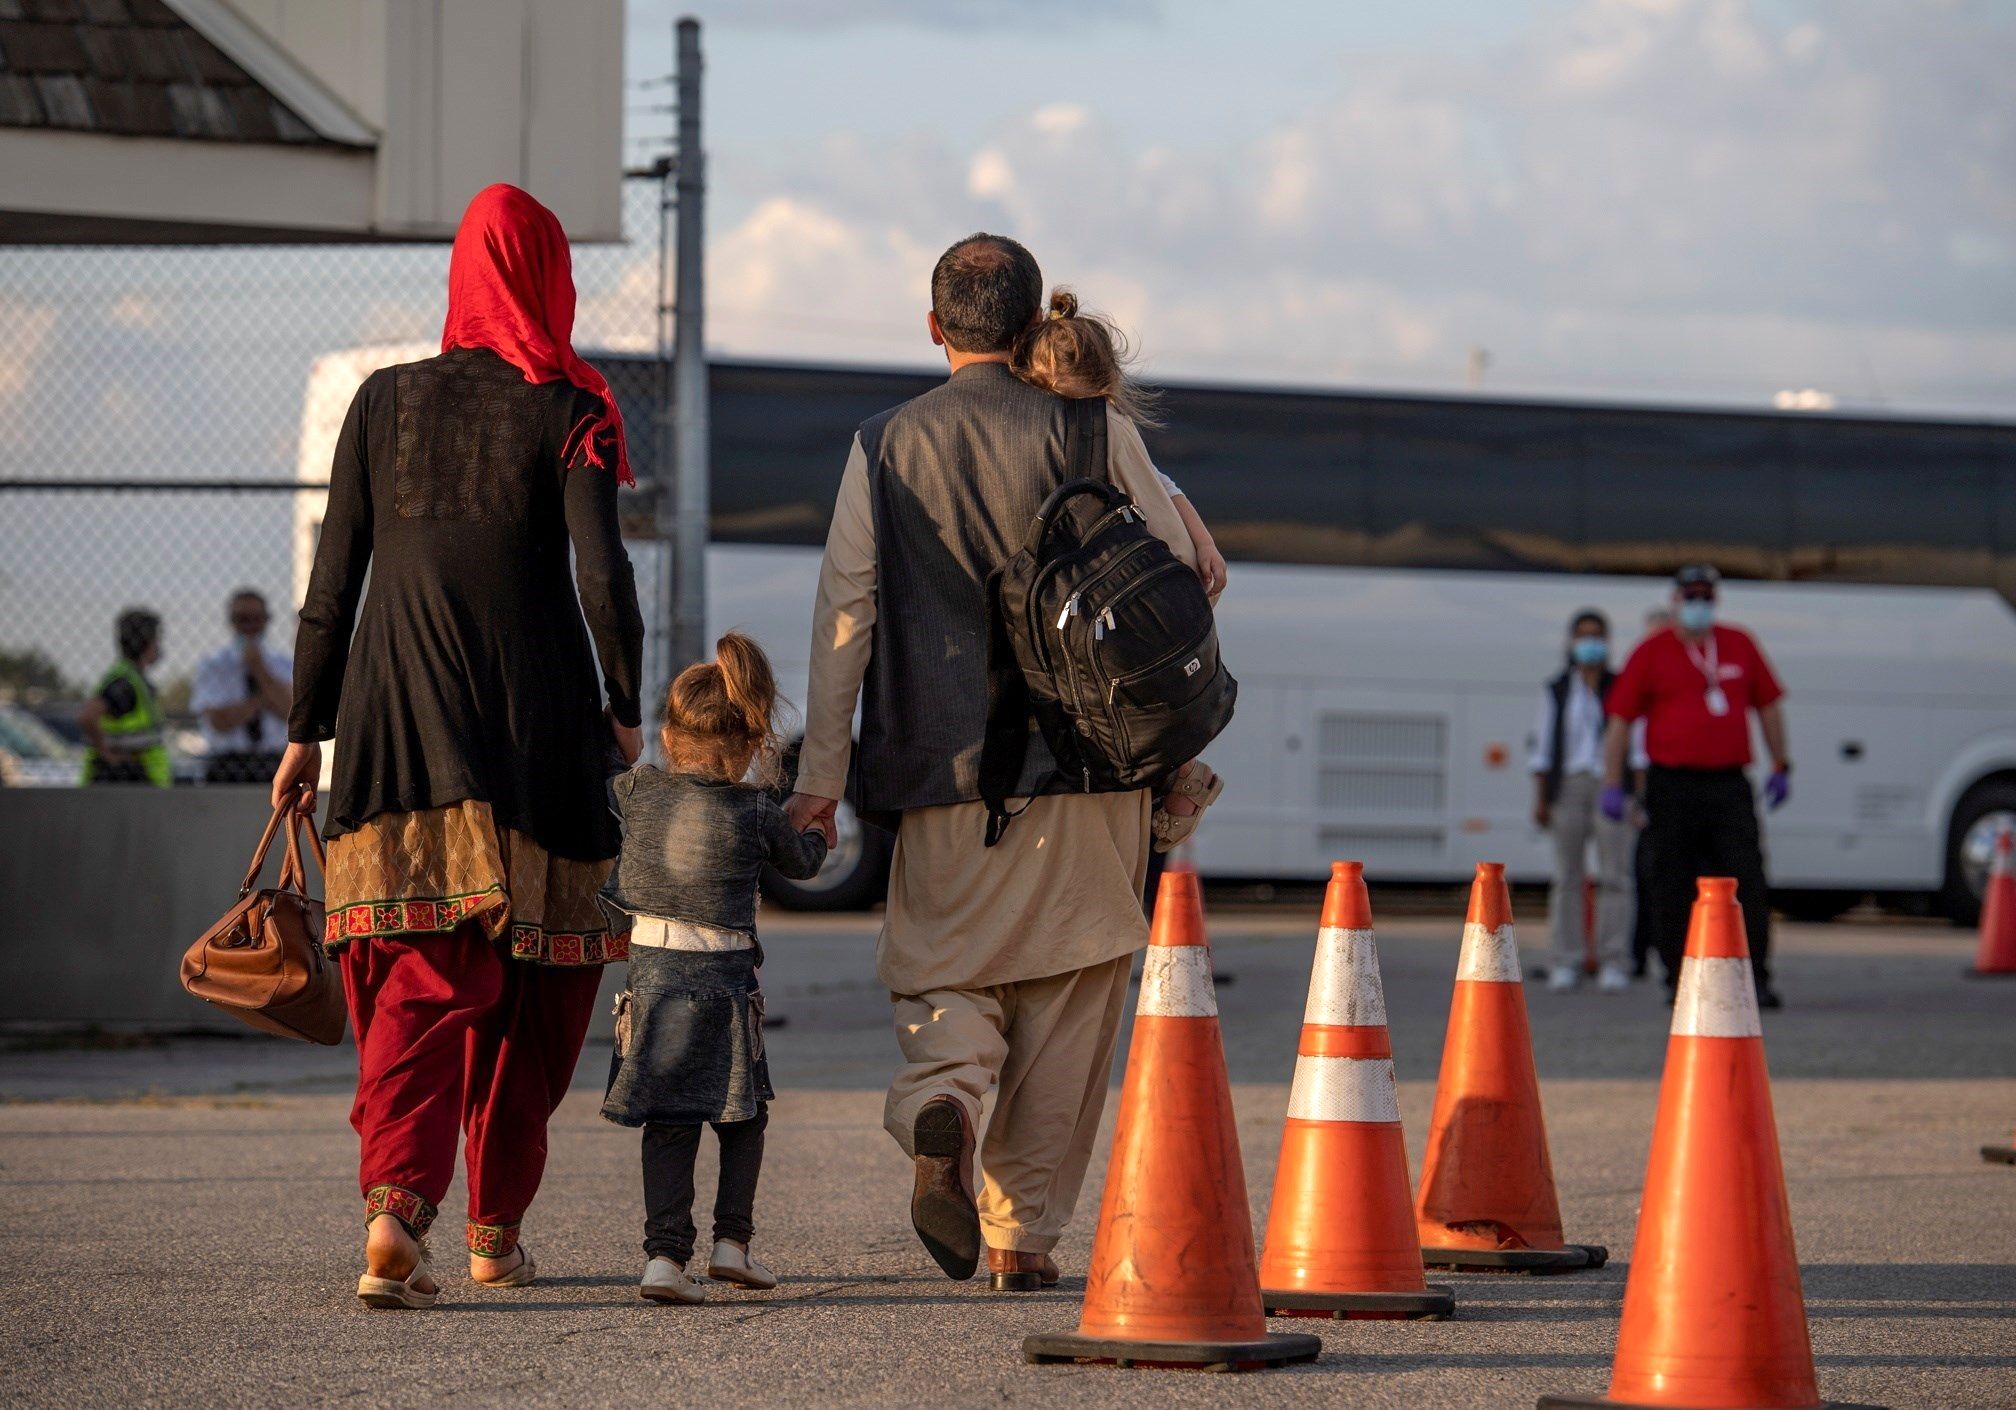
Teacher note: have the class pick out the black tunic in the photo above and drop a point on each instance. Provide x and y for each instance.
(470, 674)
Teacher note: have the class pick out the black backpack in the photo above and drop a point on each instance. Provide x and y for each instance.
(1102, 638)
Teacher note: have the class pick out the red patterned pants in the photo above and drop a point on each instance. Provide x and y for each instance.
(454, 1034)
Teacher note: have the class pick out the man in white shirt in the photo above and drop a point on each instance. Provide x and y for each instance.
(1567, 765)
(242, 693)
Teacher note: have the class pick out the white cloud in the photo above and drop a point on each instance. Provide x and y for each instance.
(989, 177)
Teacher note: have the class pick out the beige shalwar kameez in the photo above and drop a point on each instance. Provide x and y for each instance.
(1007, 966)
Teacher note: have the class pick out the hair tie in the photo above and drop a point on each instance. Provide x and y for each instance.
(1057, 313)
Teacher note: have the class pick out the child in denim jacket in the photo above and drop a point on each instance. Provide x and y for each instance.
(689, 1033)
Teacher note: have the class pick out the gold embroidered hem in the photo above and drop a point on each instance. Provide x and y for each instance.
(428, 871)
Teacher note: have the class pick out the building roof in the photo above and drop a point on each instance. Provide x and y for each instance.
(131, 68)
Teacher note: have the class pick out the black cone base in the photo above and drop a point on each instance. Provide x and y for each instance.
(1273, 1350)
(1999, 1155)
(1433, 1305)
(1972, 973)
(1597, 1402)
(1572, 1258)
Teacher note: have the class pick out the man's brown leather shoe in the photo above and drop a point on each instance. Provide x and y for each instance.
(1014, 1271)
(941, 1201)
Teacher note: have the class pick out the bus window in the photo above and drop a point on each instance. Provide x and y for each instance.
(1891, 503)
(1278, 478)
(1479, 486)
(1660, 490)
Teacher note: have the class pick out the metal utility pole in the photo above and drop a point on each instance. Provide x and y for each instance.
(682, 508)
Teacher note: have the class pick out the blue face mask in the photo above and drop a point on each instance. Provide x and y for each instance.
(1589, 651)
(1696, 615)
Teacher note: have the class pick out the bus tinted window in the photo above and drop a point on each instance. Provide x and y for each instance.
(1290, 487)
(1442, 482)
(1874, 503)
(779, 444)
(1488, 489)
(1663, 490)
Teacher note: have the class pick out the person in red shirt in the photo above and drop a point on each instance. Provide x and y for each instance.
(1695, 685)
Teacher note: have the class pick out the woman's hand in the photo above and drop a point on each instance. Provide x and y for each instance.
(629, 739)
(298, 777)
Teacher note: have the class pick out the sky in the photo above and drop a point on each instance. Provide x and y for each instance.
(1708, 200)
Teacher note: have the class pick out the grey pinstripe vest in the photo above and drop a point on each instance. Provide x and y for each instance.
(955, 477)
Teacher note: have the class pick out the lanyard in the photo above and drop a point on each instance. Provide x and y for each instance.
(1705, 662)
(1709, 666)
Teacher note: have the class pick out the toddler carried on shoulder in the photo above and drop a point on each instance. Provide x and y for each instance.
(689, 1030)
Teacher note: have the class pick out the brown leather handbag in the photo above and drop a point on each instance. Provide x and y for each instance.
(263, 962)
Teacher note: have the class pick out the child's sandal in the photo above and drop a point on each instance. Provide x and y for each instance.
(1196, 782)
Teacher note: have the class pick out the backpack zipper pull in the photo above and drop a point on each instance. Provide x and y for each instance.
(1070, 610)
(1107, 617)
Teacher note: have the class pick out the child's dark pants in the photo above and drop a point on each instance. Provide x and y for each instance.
(669, 1153)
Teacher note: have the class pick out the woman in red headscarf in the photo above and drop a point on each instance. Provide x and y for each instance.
(468, 825)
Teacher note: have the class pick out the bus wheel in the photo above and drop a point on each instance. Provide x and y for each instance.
(1970, 842)
(855, 877)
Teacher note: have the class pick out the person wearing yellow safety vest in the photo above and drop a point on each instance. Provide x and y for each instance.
(122, 722)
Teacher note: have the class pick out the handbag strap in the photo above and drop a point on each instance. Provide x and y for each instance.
(293, 871)
(259, 852)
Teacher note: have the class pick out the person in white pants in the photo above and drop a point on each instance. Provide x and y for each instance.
(1567, 765)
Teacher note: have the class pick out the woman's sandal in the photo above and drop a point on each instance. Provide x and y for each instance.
(521, 1275)
(1196, 782)
(379, 1292)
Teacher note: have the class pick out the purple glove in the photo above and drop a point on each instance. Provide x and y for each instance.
(1777, 789)
(1613, 802)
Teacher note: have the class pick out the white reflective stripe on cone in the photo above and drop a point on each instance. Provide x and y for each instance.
(1176, 983)
(1717, 999)
(1491, 955)
(1343, 1089)
(1344, 986)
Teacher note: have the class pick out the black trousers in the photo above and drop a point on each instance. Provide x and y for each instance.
(669, 1153)
(1703, 822)
(1643, 927)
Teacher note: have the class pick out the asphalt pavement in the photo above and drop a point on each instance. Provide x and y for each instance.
(180, 1217)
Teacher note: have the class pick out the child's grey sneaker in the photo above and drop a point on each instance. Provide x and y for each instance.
(666, 1281)
(732, 1264)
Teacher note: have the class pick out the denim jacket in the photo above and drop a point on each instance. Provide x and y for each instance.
(693, 848)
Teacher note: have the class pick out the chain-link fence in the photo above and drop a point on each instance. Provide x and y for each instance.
(166, 420)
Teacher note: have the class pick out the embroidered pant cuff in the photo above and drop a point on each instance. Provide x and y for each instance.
(492, 1240)
(402, 1204)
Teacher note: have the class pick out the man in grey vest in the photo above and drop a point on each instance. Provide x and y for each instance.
(1007, 966)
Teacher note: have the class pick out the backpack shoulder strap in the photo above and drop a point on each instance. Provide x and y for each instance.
(1085, 448)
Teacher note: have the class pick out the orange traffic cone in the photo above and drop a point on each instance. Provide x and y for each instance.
(1487, 1187)
(1713, 1313)
(1997, 954)
(1172, 1282)
(1340, 1233)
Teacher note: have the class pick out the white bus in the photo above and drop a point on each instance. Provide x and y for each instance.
(1403, 571)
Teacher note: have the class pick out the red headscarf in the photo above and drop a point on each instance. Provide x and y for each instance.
(511, 290)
